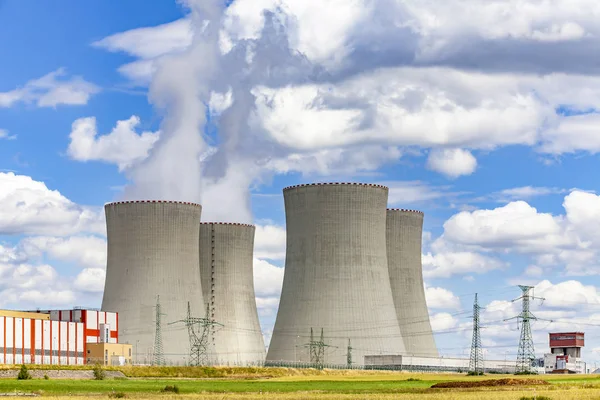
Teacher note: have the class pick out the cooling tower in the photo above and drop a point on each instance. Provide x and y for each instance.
(153, 251)
(336, 276)
(228, 284)
(404, 234)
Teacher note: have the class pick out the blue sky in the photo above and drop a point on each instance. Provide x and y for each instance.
(478, 122)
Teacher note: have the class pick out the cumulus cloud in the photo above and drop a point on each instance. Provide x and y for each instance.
(90, 280)
(123, 146)
(570, 240)
(268, 279)
(51, 90)
(452, 162)
(270, 242)
(442, 321)
(85, 251)
(440, 298)
(30, 286)
(447, 263)
(29, 207)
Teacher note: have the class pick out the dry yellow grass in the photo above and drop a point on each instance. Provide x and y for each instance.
(568, 394)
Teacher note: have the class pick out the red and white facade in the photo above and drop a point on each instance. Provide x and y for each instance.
(61, 340)
(37, 341)
(94, 321)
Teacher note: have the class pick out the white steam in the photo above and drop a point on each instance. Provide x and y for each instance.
(180, 89)
(186, 164)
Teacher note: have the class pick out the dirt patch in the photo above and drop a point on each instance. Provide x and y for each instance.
(490, 383)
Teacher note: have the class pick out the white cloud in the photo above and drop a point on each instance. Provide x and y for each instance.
(335, 161)
(510, 225)
(27, 286)
(148, 44)
(269, 242)
(123, 146)
(441, 298)
(50, 91)
(268, 279)
(409, 192)
(524, 193)
(452, 162)
(86, 251)
(578, 132)
(448, 263)
(442, 321)
(570, 240)
(29, 207)
(4, 135)
(90, 280)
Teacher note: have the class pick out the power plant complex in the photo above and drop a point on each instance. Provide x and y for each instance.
(181, 291)
(353, 284)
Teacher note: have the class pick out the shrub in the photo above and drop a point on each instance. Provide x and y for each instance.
(99, 373)
(46, 377)
(117, 395)
(24, 373)
(474, 373)
(412, 380)
(172, 389)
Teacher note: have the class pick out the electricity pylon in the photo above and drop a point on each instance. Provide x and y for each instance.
(526, 353)
(349, 355)
(476, 360)
(159, 356)
(198, 331)
(317, 349)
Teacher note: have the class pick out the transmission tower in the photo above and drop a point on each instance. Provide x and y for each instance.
(349, 355)
(159, 356)
(317, 349)
(199, 332)
(476, 361)
(526, 353)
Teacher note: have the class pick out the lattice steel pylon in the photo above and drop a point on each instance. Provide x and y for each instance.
(199, 331)
(526, 353)
(349, 355)
(317, 349)
(158, 354)
(476, 360)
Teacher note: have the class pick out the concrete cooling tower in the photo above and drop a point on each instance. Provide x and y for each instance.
(227, 281)
(336, 276)
(404, 234)
(153, 251)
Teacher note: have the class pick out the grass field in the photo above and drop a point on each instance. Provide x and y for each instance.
(292, 384)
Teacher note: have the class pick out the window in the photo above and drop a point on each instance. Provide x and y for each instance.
(129, 352)
(89, 351)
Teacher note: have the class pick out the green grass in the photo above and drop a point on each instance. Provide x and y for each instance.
(219, 386)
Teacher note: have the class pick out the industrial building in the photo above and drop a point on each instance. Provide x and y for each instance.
(336, 303)
(153, 256)
(565, 353)
(434, 364)
(54, 337)
(226, 255)
(404, 231)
